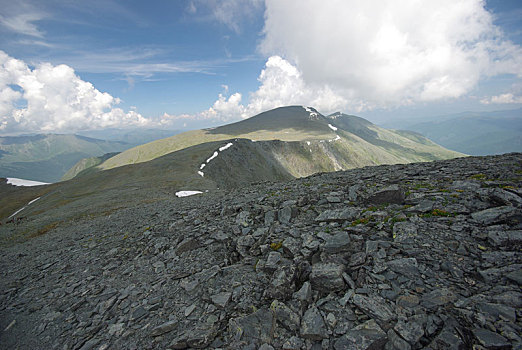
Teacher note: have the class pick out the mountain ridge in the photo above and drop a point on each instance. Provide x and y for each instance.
(295, 123)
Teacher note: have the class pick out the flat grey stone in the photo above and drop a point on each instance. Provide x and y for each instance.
(404, 266)
(366, 336)
(438, 297)
(164, 328)
(491, 340)
(339, 215)
(255, 327)
(221, 299)
(493, 215)
(312, 325)
(337, 243)
(327, 277)
(375, 307)
(390, 195)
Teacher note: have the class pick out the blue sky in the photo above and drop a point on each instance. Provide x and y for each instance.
(73, 65)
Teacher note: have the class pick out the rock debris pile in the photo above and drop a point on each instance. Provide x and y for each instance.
(418, 256)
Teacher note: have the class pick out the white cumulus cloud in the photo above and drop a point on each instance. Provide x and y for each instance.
(506, 98)
(51, 98)
(381, 53)
(280, 84)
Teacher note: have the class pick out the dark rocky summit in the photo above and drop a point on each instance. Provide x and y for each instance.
(410, 256)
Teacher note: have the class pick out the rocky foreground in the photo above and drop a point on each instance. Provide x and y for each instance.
(392, 257)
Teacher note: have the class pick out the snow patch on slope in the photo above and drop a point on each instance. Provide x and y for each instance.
(187, 193)
(332, 127)
(228, 145)
(21, 182)
(313, 115)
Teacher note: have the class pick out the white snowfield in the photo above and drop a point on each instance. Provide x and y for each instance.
(332, 127)
(187, 193)
(25, 206)
(214, 155)
(21, 182)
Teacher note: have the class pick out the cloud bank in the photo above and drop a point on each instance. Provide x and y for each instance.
(379, 53)
(51, 98)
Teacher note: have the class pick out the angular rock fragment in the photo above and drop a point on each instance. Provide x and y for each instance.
(367, 336)
(375, 307)
(285, 316)
(164, 328)
(312, 325)
(390, 195)
(404, 231)
(404, 266)
(491, 340)
(327, 277)
(338, 215)
(221, 299)
(256, 327)
(337, 243)
(493, 215)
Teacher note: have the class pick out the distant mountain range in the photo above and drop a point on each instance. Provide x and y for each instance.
(474, 133)
(47, 157)
(133, 137)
